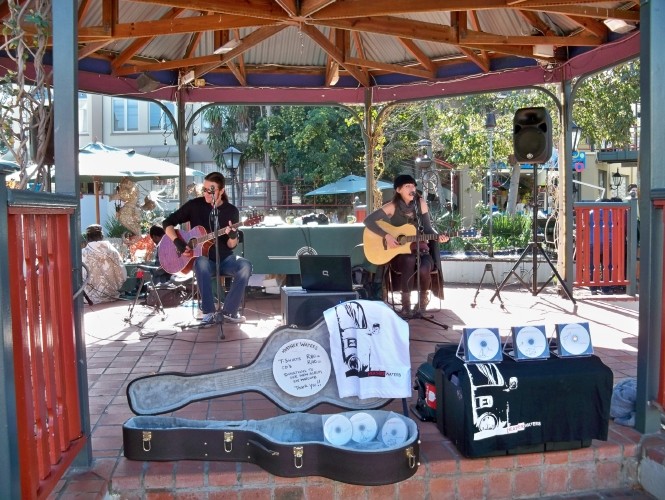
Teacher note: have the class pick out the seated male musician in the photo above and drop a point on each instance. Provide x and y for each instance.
(199, 212)
(407, 207)
(156, 233)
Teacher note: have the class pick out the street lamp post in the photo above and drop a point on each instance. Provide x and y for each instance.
(232, 161)
(577, 132)
(490, 124)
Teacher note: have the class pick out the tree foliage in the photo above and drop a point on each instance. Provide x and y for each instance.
(604, 106)
(25, 101)
(316, 144)
(230, 126)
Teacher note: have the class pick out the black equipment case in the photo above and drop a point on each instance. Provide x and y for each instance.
(293, 369)
(507, 408)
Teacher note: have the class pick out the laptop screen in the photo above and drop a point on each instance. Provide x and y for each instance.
(326, 273)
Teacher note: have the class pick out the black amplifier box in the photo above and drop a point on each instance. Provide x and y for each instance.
(303, 308)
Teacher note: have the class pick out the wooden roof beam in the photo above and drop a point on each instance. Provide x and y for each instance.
(334, 52)
(481, 38)
(420, 56)
(391, 68)
(168, 27)
(398, 27)
(460, 21)
(139, 43)
(260, 9)
(344, 9)
(251, 40)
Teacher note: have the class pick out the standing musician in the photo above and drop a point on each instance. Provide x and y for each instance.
(198, 212)
(407, 207)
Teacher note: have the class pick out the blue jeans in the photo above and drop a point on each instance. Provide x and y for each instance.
(233, 265)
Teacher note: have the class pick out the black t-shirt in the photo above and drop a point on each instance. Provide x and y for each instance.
(197, 213)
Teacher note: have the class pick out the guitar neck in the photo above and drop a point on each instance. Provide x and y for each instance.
(214, 234)
(421, 237)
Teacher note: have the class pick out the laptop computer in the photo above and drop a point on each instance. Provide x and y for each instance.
(326, 273)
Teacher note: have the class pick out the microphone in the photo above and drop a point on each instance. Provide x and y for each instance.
(414, 194)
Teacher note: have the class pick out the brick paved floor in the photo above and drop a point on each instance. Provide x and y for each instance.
(119, 351)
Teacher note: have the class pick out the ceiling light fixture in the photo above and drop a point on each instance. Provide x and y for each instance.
(227, 47)
(543, 50)
(187, 77)
(619, 25)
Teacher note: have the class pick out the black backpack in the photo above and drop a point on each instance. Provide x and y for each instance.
(170, 294)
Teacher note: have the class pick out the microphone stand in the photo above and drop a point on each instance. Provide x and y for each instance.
(417, 313)
(214, 224)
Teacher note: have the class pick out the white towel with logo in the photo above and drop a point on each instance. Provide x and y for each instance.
(369, 347)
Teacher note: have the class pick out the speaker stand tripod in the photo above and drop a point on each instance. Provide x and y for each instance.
(534, 247)
(490, 269)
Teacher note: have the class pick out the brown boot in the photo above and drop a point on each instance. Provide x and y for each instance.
(424, 299)
(406, 302)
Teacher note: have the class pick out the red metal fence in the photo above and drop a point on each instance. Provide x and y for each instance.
(50, 433)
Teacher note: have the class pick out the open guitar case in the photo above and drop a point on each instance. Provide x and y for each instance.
(295, 371)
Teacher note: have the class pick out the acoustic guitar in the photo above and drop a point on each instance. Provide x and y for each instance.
(376, 250)
(199, 240)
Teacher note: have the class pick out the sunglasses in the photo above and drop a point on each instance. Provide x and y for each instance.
(210, 190)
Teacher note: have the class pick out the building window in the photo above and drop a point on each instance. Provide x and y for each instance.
(209, 167)
(159, 121)
(125, 115)
(83, 113)
(254, 175)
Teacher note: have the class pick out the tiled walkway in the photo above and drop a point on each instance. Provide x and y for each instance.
(119, 352)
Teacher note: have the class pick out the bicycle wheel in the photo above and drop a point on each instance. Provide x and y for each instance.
(430, 182)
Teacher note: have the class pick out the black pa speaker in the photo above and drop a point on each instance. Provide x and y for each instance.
(532, 135)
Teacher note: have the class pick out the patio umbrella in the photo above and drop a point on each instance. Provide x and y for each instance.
(348, 185)
(101, 163)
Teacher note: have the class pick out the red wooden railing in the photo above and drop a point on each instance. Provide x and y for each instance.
(600, 246)
(48, 407)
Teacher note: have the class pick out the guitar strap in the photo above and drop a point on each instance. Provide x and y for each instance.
(406, 214)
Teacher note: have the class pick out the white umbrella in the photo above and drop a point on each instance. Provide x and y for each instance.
(108, 164)
(101, 163)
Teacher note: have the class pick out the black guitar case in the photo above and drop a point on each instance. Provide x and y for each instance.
(292, 445)
(294, 370)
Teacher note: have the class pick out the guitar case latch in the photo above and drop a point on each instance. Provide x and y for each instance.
(298, 452)
(228, 442)
(147, 440)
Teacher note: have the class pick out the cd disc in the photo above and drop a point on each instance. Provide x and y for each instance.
(574, 339)
(364, 427)
(531, 342)
(337, 430)
(483, 344)
(394, 432)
